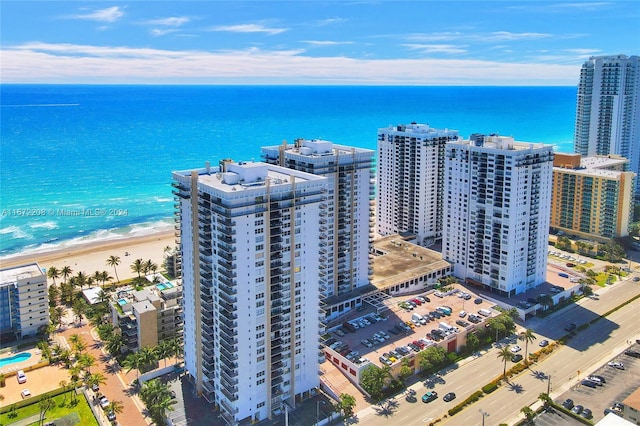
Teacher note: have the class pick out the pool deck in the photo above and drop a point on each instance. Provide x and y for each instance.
(35, 358)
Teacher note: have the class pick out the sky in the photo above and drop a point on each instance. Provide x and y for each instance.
(431, 43)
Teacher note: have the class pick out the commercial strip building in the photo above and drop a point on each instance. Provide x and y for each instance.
(250, 241)
(496, 215)
(592, 197)
(149, 316)
(608, 109)
(346, 217)
(24, 302)
(411, 180)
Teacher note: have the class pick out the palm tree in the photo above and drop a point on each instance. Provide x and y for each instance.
(177, 349)
(134, 361)
(114, 344)
(115, 407)
(79, 309)
(96, 379)
(505, 354)
(77, 343)
(104, 277)
(157, 399)
(53, 273)
(63, 385)
(86, 361)
(81, 279)
(66, 272)
(45, 404)
(56, 314)
(114, 261)
(138, 266)
(97, 276)
(164, 351)
(149, 355)
(527, 336)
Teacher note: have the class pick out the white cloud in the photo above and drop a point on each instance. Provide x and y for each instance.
(480, 37)
(110, 14)
(249, 28)
(60, 63)
(330, 21)
(436, 48)
(174, 21)
(161, 32)
(326, 42)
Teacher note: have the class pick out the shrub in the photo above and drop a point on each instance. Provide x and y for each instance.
(471, 399)
(490, 387)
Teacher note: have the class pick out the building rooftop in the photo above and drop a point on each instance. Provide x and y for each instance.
(633, 400)
(144, 306)
(494, 141)
(316, 148)
(419, 130)
(397, 260)
(606, 166)
(92, 294)
(12, 275)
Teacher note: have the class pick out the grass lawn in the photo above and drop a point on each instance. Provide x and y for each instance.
(63, 406)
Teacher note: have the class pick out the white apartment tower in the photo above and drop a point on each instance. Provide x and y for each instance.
(608, 109)
(411, 180)
(497, 196)
(249, 242)
(347, 217)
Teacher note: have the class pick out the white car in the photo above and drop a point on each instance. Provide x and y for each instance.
(618, 365)
(25, 393)
(22, 378)
(463, 314)
(104, 402)
(515, 349)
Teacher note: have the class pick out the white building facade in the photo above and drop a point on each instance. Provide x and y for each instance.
(249, 243)
(608, 109)
(411, 180)
(497, 198)
(347, 216)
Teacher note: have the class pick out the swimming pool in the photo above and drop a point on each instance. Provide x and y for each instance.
(23, 356)
(122, 302)
(164, 286)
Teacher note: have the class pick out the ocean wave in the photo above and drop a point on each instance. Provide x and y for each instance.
(44, 225)
(163, 199)
(16, 232)
(102, 235)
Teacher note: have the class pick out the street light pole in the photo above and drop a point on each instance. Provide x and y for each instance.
(318, 411)
(484, 414)
(549, 386)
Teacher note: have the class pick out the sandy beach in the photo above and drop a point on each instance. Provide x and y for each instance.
(93, 256)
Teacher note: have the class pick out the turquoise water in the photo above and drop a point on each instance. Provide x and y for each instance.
(122, 302)
(92, 163)
(23, 356)
(164, 286)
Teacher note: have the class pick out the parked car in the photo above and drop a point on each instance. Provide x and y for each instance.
(449, 397)
(596, 380)
(22, 378)
(634, 354)
(589, 384)
(477, 301)
(429, 396)
(568, 404)
(111, 416)
(577, 409)
(602, 380)
(586, 413)
(25, 393)
(516, 358)
(104, 402)
(615, 364)
(515, 349)
(543, 343)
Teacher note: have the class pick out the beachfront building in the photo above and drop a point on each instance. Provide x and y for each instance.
(24, 302)
(497, 194)
(592, 197)
(346, 218)
(411, 181)
(250, 241)
(148, 316)
(608, 109)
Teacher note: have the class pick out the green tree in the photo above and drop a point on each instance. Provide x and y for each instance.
(586, 290)
(86, 361)
(53, 273)
(114, 261)
(373, 380)
(149, 356)
(528, 412)
(115, 344)
(77, 343)
(96, 379)
(527, 336)
(66, 272)
(81, 280)
(546, 301)
(44, 405)
(164, 350)
(347, 404)
(505, 354)
(134, 361)
(54, 295)
(473, 342)
(138, 267)
(115, 407)
(63, 385)
(157, 399)
(79, 309)
(56, 315)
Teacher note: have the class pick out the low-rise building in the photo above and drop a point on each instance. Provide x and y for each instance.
(24, 302)
(149, 316)
(592, 197)
(631, 407)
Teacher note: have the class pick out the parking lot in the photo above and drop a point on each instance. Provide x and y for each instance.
(386, 338)
(618, 384)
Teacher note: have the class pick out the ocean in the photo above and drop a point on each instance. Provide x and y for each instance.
(85, 163)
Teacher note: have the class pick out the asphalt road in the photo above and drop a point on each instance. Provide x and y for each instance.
(584, 353)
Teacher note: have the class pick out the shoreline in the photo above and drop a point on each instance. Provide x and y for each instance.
(92, 256)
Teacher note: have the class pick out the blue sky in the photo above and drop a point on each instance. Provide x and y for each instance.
(311, 42)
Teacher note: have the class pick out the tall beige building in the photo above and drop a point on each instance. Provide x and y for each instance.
(592, 197)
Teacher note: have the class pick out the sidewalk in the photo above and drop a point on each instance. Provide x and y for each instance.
(26, 421)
